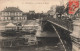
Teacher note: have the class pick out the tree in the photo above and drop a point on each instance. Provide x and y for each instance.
(60, 9)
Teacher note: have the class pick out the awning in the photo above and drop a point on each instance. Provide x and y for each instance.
(10, 25)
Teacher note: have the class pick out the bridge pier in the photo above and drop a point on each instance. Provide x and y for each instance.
(75, 35)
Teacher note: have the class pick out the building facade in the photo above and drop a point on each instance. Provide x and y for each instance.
(75, 35)
(77, 14)
(52, 10)
(12, 14)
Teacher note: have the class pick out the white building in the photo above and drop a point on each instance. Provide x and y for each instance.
(76, 36)
(12, 14)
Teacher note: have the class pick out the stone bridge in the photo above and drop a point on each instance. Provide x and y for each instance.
(64, 24)
(63, 29)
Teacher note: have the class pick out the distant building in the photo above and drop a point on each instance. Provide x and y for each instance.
(75, 35)
(77, 14)
(52, 10)
(31, 12)
(12, 14)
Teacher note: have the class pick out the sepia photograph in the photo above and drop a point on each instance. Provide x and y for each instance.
(39, 25)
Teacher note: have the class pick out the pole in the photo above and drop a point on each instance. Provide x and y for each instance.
(59, 38)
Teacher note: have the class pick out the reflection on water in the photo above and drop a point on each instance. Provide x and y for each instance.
(34, 48)
(45, 45)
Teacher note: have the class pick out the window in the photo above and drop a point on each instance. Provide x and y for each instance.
(0, 18)
(5, 18)
(2, 13)
(20, 13)
(24, 18)
(16, 13)
(16, 18)
(9, 18)
(7, 13)
(20, 18)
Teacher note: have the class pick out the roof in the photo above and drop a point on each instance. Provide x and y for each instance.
(11, 9)
(31, 12)
(11, 25)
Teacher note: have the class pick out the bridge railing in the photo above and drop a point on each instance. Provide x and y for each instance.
(64, 23)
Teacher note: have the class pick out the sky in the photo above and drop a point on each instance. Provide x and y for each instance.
(34, 5)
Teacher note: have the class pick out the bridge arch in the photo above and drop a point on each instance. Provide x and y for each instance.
(64, 34)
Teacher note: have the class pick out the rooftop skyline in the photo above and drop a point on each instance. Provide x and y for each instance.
(34, 5)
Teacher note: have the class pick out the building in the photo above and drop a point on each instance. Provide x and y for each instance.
(52, 10)
(77, 14)
(12, 14)
(75, 35)
(31, 12)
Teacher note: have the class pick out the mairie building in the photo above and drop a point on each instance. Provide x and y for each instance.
(13, 14)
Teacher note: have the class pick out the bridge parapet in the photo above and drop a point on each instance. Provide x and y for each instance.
(66, 24)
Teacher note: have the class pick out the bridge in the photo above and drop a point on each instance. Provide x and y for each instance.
(64, 24)
(63, 28)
